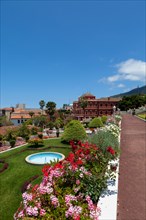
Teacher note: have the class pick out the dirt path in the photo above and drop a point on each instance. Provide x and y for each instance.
(132, 177)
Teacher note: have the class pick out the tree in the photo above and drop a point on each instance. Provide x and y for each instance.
(96, 123)
(31, 114)
(24, 132)
(42, 104)
(74, 131)
(131, 102)
(51, 108)
(40, 121)
(83, 103)
(4, 121)
(58, 123)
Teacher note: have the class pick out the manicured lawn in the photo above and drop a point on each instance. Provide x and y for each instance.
(143, 116)
(1, 165)
(12, 179)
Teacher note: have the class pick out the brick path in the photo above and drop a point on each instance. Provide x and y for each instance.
(132, 173)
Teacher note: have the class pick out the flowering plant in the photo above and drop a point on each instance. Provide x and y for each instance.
(113, 128)
(35, 141)
(70, 189)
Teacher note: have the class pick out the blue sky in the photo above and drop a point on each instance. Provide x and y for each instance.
(58, 50)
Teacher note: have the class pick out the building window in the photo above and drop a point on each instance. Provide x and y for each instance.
(18, 121)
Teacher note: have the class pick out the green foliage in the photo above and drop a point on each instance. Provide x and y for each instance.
(31, 114)
(83, 103)
(74, 130)
(40, 120)
(35, 141)
(24, 132)
(103, 119)
(42, 104)
(12, 142)
(4, 121)
(96, 123)
(93, 186)
(103, 139)
(1, 137)
(131, 102)
(51, 125)
(34, 130)
(58, 123)
(40, 136)
(51, 107)
(10, 135)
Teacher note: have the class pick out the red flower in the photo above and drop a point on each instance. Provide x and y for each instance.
(58, 165)
(35, 187)
(45, 170)
(70, 157)
(77, 217)
(79, 162)
(111, 150)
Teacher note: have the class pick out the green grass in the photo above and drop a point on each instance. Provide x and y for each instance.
(143, 116)
(1, 165)
(12, 179)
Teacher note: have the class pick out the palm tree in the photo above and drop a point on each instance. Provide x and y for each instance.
(83, 103)
(42, 104)
(51, 107)
(31, 114)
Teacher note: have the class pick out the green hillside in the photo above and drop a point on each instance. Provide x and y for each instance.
(136, 91)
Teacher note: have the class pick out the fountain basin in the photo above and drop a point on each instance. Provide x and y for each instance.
(42, 158)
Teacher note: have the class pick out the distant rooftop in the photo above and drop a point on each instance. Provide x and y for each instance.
(87, 94)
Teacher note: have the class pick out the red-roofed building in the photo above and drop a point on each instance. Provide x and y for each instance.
(95, 107)
(19, 115)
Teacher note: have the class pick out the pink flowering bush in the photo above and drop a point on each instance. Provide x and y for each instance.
(20, 141)
(70, 189)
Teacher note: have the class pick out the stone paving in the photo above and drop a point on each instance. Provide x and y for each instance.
(132, 171)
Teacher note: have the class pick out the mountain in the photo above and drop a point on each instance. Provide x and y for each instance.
(136, 91)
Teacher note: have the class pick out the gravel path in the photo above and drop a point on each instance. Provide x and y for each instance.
(132, 171)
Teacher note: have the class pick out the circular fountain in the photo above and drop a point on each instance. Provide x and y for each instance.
(44, 158)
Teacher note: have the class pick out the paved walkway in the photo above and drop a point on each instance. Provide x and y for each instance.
(132, 171)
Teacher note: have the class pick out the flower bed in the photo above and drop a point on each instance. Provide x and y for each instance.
(71, 188)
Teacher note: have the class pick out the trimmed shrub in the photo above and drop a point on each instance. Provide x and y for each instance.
(35, 141)
(103, 119)
(40, 135)
(12, 142)
(74, 131)
(24, 132)
(34, 130)
(96, 123)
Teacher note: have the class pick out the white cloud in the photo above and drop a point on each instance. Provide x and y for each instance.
(131, 69)
(120, 85)
(113, 78)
